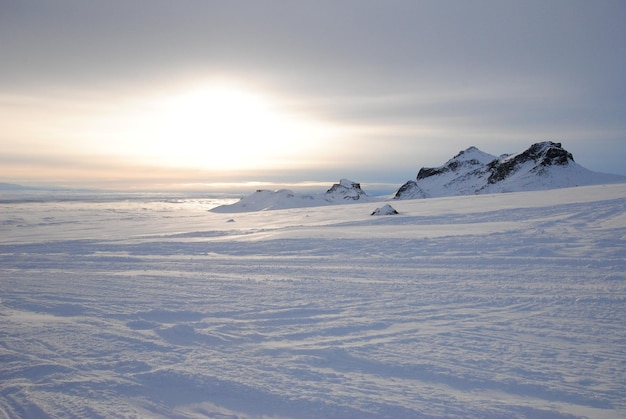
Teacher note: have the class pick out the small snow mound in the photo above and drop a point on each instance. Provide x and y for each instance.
(410, 190)
(386, 210)
(179, 334)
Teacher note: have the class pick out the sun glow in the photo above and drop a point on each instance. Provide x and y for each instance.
(222, 127)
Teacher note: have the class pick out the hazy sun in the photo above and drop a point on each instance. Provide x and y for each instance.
(223, 127)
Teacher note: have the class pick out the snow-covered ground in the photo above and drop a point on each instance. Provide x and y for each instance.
(488, 306)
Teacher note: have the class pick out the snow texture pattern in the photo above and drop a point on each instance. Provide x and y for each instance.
(488, 306)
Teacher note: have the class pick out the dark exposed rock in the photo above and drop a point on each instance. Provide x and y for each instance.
(385, 210)
(499, 171)
(430, 171)
(545, 154)
(410, 190)
(346, 189)
(465, 159)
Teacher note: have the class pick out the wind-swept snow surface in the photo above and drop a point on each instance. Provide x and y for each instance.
(488, 306)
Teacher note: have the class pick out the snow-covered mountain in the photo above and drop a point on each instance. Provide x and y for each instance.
(545, 165)
(346, 191)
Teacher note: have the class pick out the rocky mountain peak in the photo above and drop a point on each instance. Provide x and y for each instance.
(542, 154)
(473, 155)
(346, 189)
(467, 159)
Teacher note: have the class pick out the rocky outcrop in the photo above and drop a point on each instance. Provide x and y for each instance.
(410, 190)
(385, 210)
(466, 161)
(540, 154)
(345, 190)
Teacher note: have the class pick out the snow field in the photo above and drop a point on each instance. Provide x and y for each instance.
(486, 306)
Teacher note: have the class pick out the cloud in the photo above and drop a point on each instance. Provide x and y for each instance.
(409, 83)
(353, 45)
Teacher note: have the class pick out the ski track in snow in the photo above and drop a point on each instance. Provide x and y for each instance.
(492, 306)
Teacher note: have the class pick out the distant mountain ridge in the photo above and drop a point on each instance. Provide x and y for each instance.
(544, 165)
(14, 187)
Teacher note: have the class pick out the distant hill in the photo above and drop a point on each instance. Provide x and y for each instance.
(14, 187)
(340, 193)
(545, 165)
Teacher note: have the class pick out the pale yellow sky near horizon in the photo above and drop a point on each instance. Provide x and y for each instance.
(212, 128)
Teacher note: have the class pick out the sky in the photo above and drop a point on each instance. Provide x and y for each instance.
(154, 94)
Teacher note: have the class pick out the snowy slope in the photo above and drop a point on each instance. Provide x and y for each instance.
(542, 166)
(483, 306)
(345, 191)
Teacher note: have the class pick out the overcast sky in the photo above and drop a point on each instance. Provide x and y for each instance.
(157, 93)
